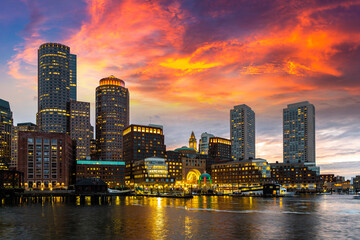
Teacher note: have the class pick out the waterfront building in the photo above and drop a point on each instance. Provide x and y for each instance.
(47, 160)
(246, 173)
(142, 142)
(204, 143)
(6, 125)
(219, 151)
(112, 117)
(356, 183)
(299, 133)
(173, 159)
(152, 171)
(73, 77)
(242, 132)
(295, 176)
(53, 87)
(111, 172)
(80, 128)
(192, 168)
(23, 127)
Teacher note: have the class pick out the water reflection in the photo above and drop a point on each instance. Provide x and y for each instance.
(203, 217)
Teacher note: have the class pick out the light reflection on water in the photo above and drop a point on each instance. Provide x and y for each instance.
(203, 217)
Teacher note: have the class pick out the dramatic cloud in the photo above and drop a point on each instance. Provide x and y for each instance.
(187, 63)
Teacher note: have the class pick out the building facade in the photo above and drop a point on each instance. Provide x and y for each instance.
(112, 117)
(152, 171)
(295, 176)
(219, 151)
(47, 160)
(141, 142)
(299, 133)
(232, 175)
(21, 127)
(242, 132)
(193, 142)
(73, 77)
(53, 87)
(204, 142)
(6, 125)
(111, 172)
(173, 159)
(80, 128)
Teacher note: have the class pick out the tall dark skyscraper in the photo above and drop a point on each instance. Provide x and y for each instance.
(112, 117)
(6, 124)
(242, 132)
(73, 77)
(299, 133)
(53, 87)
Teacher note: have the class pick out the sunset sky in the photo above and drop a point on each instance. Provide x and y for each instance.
(187, 63)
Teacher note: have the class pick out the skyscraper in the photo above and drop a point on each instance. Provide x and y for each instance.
(299, 133)
(79, 127)
(192, 141)
(204, 143)
(73, 77)
(6, 125)
(53, 87)
(242, 132)
(112, 117)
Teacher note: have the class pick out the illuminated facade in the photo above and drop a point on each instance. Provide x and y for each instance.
(73, 77)
(192, 141)
(296, 176)
(112, 117)
(204, 142)
(53, 87)
(111, 172)
(192, 168)
(21, 127)
(240, 173)
(242, 132)
(47, 160)
(142, 142)
(219, 151)
(6, 125)
(79, 127)
(173, 159)
(299, 133)
(150, 171)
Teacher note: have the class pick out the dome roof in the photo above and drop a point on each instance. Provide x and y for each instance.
(205, 175)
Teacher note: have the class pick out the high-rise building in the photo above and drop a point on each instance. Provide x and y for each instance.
(21, 127)
(204, 143)
(80, 128)
(46, 159)
(6, 125)
(219, 152)
(112, 117)
(192, 141)
(141, 142)
(242, 132)
(299, 133)
(53, 87)
(73, 77)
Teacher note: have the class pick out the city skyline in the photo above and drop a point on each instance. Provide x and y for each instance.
(185, 83)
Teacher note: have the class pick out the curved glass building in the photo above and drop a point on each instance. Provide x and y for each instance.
(112, 117)
(53, 87)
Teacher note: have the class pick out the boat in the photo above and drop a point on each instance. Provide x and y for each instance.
(285, 193)
(357, 196)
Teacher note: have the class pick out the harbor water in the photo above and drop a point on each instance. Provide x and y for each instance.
(202, 217)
